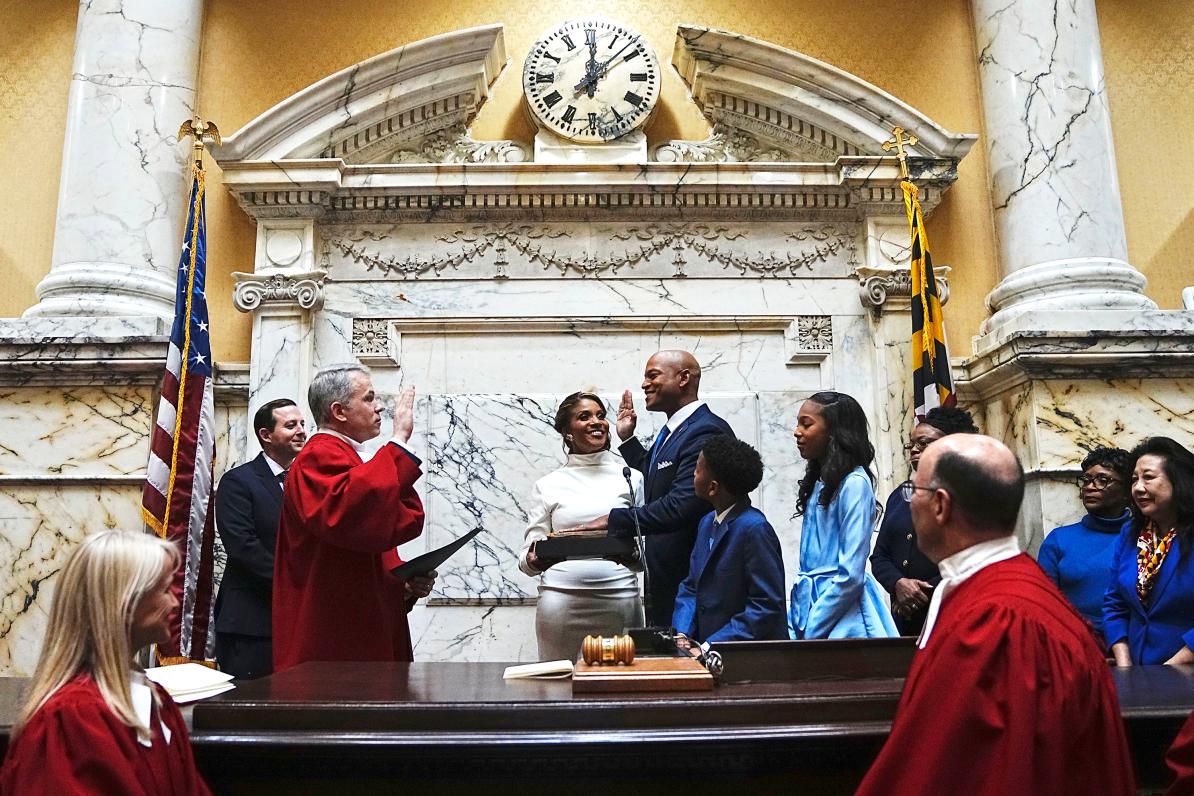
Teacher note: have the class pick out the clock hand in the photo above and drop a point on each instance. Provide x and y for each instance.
(591, 65)
(600, 71)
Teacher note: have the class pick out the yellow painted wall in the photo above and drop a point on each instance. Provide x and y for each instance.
(37, 45)
(1148, 55)
(256, 54)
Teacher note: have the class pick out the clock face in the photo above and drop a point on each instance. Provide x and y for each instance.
(591, 80)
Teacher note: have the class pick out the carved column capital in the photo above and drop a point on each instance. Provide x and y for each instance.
(882, 289)
(303, 289)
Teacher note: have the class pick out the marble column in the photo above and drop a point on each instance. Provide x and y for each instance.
(1053, 179)
(123, 188)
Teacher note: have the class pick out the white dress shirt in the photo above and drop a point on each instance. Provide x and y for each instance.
(960, 566)
(142, 697)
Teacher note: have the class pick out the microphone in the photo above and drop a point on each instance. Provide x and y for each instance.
(642, 550)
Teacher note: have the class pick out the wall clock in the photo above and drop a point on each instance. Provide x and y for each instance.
(591, 81)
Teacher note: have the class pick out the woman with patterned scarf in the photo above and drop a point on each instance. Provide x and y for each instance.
(1148, 610)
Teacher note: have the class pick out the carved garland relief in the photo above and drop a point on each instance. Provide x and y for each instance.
(639, 244)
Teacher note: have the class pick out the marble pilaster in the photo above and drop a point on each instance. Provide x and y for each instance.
(1054, 187)
(123, 189)
(281, 293)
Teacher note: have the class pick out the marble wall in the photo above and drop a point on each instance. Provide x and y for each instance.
(72, 463)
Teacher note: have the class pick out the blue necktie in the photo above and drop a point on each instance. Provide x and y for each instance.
(658, 446)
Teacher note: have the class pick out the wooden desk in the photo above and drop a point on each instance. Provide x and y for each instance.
(806, 714)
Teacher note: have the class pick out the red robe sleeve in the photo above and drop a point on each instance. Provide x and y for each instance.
(75, 745)
(367, 507)
(991, 706)
(1181, 760)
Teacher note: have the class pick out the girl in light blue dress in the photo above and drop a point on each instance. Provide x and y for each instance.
(834, 596)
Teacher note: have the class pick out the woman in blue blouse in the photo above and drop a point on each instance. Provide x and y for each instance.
(834, 596)
(1077, 557)
(1148, 611)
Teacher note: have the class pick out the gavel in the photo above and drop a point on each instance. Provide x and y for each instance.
(603, 651)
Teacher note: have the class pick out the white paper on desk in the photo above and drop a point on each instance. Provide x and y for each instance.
(187, 682)
(539, 671)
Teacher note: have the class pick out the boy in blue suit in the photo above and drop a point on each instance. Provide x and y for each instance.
(735, 585)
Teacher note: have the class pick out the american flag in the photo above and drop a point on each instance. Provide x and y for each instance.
(178, 482)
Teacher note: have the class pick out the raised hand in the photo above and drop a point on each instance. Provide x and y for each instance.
(627, 419)
(404, 414)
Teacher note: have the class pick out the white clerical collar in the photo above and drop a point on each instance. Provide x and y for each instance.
(142, 697)
(962, 565)
(682, 414)
(356, 446)
(274, 467)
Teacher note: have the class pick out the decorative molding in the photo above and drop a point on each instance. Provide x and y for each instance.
(819, 244)
(303, 289)
(368, 110)
(781, 97)
(726, 144)
(881, 289)
(454, 145)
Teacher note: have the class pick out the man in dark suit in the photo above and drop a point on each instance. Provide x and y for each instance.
(248, 503)
(672, 510)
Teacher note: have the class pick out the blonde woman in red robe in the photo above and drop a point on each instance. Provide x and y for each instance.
(91, 721)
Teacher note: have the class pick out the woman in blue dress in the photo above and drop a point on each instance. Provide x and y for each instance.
(834, 596)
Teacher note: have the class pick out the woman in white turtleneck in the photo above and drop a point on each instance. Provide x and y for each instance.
(593, 596)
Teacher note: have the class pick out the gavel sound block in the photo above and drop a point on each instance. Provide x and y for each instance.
(608, 665)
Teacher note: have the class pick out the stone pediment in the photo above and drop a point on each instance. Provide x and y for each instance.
(415, 99)
(768, 103)
(388, 139)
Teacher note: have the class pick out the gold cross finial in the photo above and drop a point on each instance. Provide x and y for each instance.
(901, 140)
(199, 129)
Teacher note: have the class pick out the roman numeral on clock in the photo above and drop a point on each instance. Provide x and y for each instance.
(552, 98)
(630, 56)
(568, 42)
(638, 77)
(546, 54)
(592, 121)
(569, 114)
(633, 99)
(590, 36)
(545, 77)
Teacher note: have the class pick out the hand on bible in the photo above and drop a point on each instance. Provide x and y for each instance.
(404, 415)
(540, 564)
(599, 524)
(420, 585)
(627, 419)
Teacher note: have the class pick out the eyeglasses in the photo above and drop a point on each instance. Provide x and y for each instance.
(907, 489)
(1099, 482)
(918, 445)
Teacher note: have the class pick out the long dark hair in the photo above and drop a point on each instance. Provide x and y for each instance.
(564, 415)
(1178, 464)
(849, 447)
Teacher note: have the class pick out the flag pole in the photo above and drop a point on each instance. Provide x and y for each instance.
(932, 382)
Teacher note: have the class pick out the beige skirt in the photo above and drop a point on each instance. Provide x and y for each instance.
(563, 619)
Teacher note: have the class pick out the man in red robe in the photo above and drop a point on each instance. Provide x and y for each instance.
(1181, 761)
(342, 517)
(1009, 692)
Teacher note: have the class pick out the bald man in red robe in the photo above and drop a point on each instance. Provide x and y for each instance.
(1009, 693)
(342, 518)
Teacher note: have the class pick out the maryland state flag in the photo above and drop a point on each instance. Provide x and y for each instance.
(177, 500)
(932, 383)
